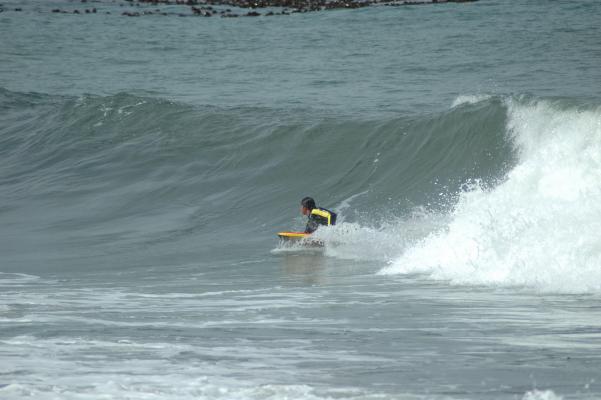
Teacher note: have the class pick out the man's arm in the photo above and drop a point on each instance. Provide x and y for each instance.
(312, 225)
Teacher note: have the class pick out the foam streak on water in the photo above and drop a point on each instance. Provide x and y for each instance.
(149, 341)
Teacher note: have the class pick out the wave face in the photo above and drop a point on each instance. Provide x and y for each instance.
(539, 227)
(116, 173)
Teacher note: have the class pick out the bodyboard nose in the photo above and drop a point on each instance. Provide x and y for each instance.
(293, 235)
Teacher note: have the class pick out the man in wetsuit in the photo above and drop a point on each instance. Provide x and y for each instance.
(317, 215)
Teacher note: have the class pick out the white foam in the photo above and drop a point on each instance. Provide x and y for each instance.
(541, 395)
(351, 241)
(469, 99)
(301, 246)
(197, 388)
(78, 368)
(346, 203)
(7, 277)
(540, 227)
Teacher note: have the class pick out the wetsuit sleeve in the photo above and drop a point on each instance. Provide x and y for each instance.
(312, 225)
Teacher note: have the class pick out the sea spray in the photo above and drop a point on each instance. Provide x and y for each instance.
(539, 227)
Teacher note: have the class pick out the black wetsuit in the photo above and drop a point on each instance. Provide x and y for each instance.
(320, 216)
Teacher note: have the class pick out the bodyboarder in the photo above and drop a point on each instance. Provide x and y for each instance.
(317, 215)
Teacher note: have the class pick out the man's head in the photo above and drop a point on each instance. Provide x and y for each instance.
(307, 204)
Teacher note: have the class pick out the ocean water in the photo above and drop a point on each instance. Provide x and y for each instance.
(147, 163)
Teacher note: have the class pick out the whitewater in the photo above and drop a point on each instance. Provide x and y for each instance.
(537, 227)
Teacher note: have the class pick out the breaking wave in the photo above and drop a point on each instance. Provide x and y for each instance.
(493, 191)
(537, 228)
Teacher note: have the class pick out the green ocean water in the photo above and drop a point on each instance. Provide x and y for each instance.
(147, 163)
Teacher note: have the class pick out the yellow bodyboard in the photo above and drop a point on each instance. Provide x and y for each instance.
(293, 235)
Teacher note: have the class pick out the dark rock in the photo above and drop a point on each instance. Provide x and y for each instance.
(206, 7)
(201, 11)
(56, 10)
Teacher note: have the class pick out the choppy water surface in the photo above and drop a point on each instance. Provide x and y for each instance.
(146, 163)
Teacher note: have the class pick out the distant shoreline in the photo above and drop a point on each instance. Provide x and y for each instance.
(233, 8)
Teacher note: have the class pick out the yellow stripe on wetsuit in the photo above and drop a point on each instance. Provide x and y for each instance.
(323, 214)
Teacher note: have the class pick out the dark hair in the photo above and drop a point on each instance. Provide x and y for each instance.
(308, 202)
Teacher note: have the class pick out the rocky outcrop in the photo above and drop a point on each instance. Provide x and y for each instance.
(245, 8)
